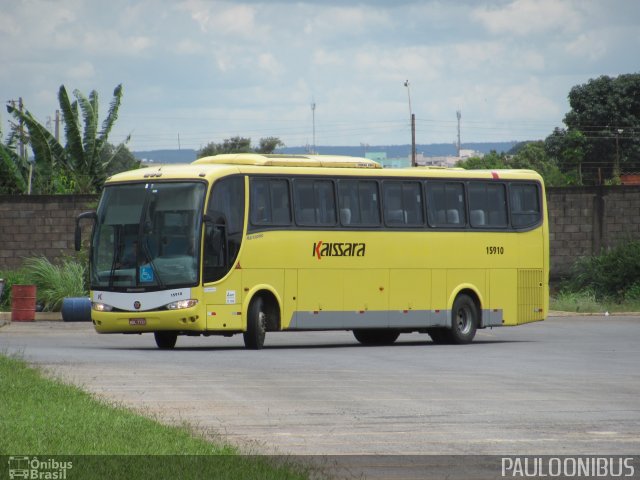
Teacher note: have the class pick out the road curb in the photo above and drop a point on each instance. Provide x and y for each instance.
(5, 317)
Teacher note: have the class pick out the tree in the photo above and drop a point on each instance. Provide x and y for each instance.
(567, 149)
(533, 156)
(78, 166)
(14, 169)
(606, 112)
(269, 144)
(119, 158)
(530, 155)
(240, 145)
(491, 160)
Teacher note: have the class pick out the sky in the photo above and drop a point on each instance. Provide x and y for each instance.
(200, 71)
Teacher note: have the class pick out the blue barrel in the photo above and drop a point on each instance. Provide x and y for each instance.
(76, 309)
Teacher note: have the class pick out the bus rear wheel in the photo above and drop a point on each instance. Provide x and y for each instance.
(165, 340)
(464, 320)
(256, 325)
(464, 323)
(376, 337)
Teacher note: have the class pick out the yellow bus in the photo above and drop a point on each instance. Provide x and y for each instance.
(248, 243)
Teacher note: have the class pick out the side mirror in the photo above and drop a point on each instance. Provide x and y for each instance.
(78, 233)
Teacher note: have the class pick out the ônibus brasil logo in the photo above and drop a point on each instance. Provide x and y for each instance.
(338, 249)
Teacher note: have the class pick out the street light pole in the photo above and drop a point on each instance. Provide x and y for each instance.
(412, 118)
(616, 167)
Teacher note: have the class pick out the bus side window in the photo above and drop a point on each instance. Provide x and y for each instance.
(487, 205)
(445, 201)
(358, 202)
(314, 202)
(270, 204)
(393, 212)
(525, 205)
(402, 203)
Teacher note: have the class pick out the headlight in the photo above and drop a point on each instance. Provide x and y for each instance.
(180, 304)
(101, 307)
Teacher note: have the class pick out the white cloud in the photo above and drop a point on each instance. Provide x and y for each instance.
(590, 45)
(324, 58)
(260, 63)
(82, 71)
(267, 62)
(425, 63)
(113, 43)
(530, 99)
(223, 18)
(187, 46)
(349, 20)
(527, 17)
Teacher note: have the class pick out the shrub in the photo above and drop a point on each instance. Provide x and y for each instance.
(56, 282)
(633, 292)
(16, 277)
(610, 274)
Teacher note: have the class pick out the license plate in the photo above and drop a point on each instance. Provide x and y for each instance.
(137, 321)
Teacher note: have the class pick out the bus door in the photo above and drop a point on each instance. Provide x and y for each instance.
(222, 279)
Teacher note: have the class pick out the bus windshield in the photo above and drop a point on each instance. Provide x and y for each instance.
(147, 236)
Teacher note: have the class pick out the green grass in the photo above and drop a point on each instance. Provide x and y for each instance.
(43, 417)
(586, 302)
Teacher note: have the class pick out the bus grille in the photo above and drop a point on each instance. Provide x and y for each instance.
(530, 296)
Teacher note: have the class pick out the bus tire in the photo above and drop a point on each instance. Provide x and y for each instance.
(256, 325)
(439, 336)
(464, 320)
(376, 337)
(165, 340)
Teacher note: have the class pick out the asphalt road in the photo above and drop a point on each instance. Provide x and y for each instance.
(566, 386)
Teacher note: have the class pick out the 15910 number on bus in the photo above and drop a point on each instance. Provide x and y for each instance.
(495, 250)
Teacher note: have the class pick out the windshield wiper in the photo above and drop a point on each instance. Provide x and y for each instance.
(116, 248)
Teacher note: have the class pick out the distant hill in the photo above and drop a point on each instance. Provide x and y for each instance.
(392, 151)
(398, 151)
(166, 156)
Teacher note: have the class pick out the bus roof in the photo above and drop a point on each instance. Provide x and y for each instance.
(221, 165)
(279, 160)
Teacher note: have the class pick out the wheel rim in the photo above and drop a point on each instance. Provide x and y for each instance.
(464, 320)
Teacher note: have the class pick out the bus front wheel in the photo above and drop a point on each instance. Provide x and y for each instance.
(256, 325)
(165, 340)
(376, 337)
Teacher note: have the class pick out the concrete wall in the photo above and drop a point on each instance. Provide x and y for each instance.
(39, 225)
(583, 220)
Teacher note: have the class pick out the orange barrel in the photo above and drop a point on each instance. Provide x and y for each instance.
(23, 303)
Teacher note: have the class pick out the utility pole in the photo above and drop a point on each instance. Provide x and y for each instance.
(412, 117)
(23, 150)
(414, 163)
(313, 120)
(57, 126)
(458, 114)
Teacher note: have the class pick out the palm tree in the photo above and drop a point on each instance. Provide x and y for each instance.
(14, 168)
(13, 171)
(79, 165)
